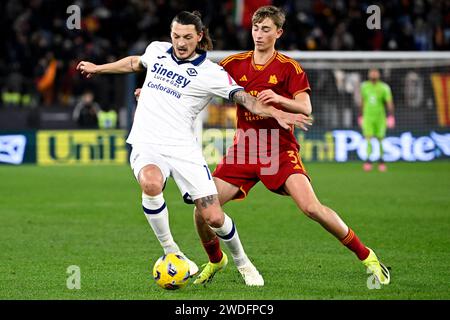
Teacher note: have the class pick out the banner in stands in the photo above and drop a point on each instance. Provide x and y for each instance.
(17, 147)
(81, 147)
(346, 145)
(441, 86)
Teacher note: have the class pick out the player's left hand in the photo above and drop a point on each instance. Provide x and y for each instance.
(390, 121)
(268, 97)
(286, 120)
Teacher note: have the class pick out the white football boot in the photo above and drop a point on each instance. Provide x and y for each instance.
(193, 269)
(250, 274)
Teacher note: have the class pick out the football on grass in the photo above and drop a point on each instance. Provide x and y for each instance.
(171, 271)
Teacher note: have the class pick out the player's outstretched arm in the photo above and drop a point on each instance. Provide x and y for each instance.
(300, 104)
(285, 119)
(125, 65)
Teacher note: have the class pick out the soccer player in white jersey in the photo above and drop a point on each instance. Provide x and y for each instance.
(180, 82)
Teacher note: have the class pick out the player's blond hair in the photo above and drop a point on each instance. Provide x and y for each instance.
(275, 14)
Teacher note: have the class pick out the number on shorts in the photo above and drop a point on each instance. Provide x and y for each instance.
(296, 160)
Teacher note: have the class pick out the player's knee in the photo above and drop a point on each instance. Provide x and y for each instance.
(152, 182)
(151, 185)
(313, 210)
(215, 221)
(214, 218)
(152, 188)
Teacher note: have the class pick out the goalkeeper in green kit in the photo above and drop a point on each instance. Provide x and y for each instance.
(375, 95)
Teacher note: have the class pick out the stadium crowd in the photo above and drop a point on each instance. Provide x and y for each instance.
(39, 53)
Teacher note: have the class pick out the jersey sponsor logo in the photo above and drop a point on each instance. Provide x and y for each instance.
(164, 74)
(243, 78)
(273, 79)
(158, 86)
(192, 72)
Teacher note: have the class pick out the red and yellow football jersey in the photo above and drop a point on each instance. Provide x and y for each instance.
(281, 74)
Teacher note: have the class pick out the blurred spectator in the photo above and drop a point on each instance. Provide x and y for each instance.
(85, 112)
(107, 118)
(38, 45)
(16, 92)
(342, 39)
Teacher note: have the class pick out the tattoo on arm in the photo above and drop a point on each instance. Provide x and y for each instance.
(136, 64)
(207, 201)
(243, 98)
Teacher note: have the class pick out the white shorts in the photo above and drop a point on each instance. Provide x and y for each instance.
(185, 164)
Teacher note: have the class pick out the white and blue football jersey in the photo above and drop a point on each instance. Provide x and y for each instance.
(173, 94)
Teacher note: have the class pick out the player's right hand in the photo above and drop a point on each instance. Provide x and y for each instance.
(360, 121)
(87, 68)
(137, 93)
(287, 120)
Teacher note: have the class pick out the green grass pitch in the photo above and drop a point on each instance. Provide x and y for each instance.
(91, 216)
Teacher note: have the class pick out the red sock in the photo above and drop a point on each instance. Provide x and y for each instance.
(212, 248)
(352, 242)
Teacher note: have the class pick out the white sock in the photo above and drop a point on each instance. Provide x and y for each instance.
(229, 235)
(157, 215)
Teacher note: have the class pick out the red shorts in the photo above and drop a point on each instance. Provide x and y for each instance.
(245, 176)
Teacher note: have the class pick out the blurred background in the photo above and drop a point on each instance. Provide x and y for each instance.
(41, 90)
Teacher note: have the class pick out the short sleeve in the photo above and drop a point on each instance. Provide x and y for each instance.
(387, 93)
(297, 80)
(145, 58)
(220, 83)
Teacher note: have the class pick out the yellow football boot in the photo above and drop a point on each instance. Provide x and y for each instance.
(379, 270)
(211, 269)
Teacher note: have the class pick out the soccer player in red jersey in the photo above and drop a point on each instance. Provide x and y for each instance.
(280, 81)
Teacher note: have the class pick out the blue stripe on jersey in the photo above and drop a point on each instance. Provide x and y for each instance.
(230, 235)
(155, 211)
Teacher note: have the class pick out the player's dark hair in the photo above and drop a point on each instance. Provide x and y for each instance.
(195, 18)
(275, 14)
